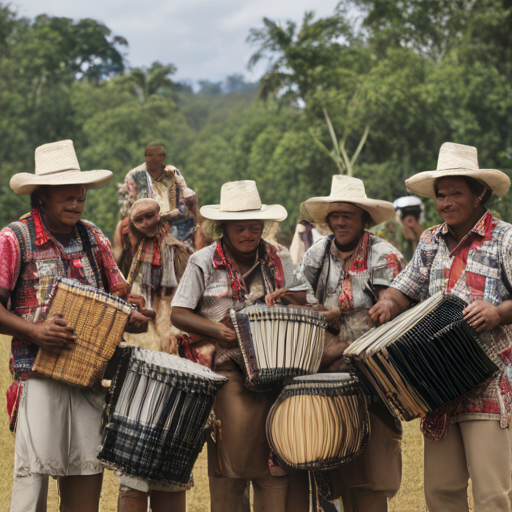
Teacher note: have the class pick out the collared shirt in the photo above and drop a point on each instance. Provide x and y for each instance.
(30, 270)
(480, 267)
(324, 275)
(207, 290)
(168, 189)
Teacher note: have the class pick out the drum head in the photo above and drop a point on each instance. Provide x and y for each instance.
(325, 377)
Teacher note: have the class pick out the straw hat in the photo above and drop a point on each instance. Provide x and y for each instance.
(458, 160)
(345, 189)
(240, 200)
(56, 164)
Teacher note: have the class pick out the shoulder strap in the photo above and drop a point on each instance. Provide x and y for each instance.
(83, 233)
(316, 280)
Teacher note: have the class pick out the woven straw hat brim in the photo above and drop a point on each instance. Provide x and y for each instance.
(274, 212)
(25, 183)
(317, 208)
(423, 182)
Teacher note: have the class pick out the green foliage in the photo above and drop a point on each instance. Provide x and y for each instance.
(395, 80)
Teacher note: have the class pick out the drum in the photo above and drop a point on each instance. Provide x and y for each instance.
(278, 342)
(319, 421)
(425, 358)
(99, 320)
(156, 410)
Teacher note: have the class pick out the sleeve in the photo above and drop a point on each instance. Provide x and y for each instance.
(10, 259)
(309, 268)
(191, 287)
(107, 263)
(184, 193)
(413, 281)
(387, 263)
(127, 193)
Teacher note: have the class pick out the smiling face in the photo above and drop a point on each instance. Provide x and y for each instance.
(454, 201)
(346, 222)
(244, 236)
(63, 206)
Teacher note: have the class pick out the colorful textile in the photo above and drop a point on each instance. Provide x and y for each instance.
(268, 259)
(32, 260)
(375, 263)
(480, 267)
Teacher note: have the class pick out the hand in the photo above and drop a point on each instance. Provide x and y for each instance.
(384, 311)
(226, 336)
(172, 214)
(137, 320)
(54, 334)
(331, 315)
(482, 316)
(271, 298)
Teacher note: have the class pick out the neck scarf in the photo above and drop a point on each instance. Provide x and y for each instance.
(357, 263)
(270, 262)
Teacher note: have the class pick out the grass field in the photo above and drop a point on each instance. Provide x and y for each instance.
(409, 499)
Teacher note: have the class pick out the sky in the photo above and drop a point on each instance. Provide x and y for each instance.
(205, 39)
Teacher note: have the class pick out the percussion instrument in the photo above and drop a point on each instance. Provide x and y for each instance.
(156, 410)
(99, 320)
(425, 358)
(278, 342)
(319, 421)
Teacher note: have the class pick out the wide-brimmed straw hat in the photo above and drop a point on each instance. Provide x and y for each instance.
(56, 164)
(345, 189)
(458, 160)
(240, 200)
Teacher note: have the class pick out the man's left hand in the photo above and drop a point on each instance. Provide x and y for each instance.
(482, 316)
(137, 320)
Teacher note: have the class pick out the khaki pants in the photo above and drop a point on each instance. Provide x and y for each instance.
(479, 450)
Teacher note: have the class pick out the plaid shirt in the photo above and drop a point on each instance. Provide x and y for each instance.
(30, 267)
(480, 267)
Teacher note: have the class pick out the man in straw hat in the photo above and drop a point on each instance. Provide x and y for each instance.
(469, 255)
(236, 270)
(57, 425)
(345, 274)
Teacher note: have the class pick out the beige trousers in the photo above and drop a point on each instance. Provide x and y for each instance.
(479, 450)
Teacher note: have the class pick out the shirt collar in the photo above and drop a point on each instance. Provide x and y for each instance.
(478, 228)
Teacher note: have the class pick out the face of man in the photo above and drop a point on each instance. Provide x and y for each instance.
(244, 236)
(154, 158)
(454, 201)
(411, 222)
(346, 222)
(63, 206)
(146, 219)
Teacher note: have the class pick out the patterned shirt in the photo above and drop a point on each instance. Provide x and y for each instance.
(326, 276)
(480, 267)
(207, 290)
(32, 260)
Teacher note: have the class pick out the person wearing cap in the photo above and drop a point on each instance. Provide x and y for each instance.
(164, 183)
(238, 269)
(345, 273)
(405, 229)
(470, 256)
(57, 425)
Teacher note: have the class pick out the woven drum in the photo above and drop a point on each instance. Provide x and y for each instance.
(278, 343)
(425, 358)
(98, 319)
(157, 408)
(319, 421)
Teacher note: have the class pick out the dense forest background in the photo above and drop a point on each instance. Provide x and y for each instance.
(372, 90)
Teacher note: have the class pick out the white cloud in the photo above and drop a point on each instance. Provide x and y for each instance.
(203, 38)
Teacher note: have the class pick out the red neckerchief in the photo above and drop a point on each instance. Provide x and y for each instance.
(358, 263)
(268, 259)
(481, 232)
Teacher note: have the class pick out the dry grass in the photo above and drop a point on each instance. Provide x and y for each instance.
(409, 499)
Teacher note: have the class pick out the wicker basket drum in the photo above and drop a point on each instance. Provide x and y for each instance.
(99, 320)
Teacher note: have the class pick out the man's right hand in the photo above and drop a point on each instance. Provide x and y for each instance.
(54, 334)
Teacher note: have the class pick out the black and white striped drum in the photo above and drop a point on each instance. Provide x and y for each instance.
(319, 421)
(278, 342)
(157, 408)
